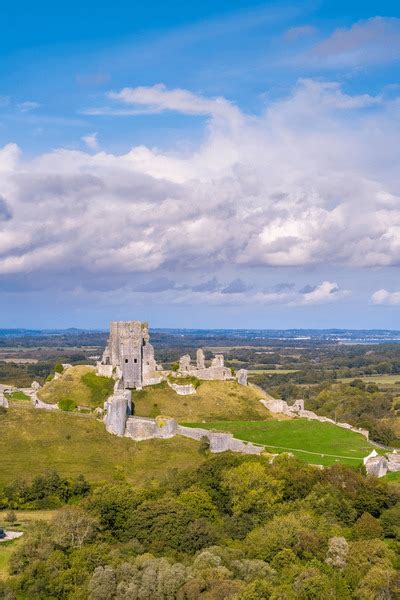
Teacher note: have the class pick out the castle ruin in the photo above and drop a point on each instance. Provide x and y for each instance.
(216, 371)
(129, 356)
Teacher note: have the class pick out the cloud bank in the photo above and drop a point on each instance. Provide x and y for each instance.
(309, 181)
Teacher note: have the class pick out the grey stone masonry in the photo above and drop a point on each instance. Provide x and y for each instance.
(186, 389)
(3, 400)
(129, 355)
(118, 407)
(200, 359)
(241, 376)
(215, 372)
(141, 428)
(380, 465)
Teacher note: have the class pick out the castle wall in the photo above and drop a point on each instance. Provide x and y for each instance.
(119, 407)
(141, 428)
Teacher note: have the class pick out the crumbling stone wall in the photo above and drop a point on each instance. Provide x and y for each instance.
(216, 372)
(141, 428)
(182, 390)
(129, 355)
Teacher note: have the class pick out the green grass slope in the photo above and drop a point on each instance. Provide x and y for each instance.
(32, 441)
(80, 385)
(214, 400)
(311, 441)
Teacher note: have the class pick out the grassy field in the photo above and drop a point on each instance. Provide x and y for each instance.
(311, 441)
(214, 400)
(25, 518)
(80, 385)
(32, 441)
(378, 379)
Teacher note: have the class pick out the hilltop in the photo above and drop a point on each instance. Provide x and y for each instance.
(214, 400)
(33, 441)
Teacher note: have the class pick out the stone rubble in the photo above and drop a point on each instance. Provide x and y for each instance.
(378, 466)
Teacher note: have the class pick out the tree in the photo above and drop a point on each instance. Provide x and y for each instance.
(390, 521)
(103, 584)
(204, 445)
(377, 584)
(199, 501)
(72, 527)
(338, 550)
(367, 528)
(252, 490)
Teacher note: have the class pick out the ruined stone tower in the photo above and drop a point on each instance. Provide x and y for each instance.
(129, 354)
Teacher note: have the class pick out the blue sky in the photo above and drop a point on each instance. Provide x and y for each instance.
(214, 165)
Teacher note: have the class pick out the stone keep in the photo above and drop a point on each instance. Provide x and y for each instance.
(130, 354)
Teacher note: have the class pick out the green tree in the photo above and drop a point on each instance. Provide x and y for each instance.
(367, 528)
(252, 490)
(199, 502)
(390, 521)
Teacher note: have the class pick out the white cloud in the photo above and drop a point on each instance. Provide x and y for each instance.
(27, 106)
(158, 98)
(385, 297)
(91, 141)
(373, 41)
(326, 292)
(311, 181)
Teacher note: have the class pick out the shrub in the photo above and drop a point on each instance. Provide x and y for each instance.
(11, 517)
(67, 405)
(58, 368)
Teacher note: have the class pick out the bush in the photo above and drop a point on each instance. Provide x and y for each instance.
(58, 368)
(11, 517)
(67, 405)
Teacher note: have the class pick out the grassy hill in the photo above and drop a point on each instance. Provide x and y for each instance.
(311, 441)
(32, 441)
(214, 400)
(80, 385)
